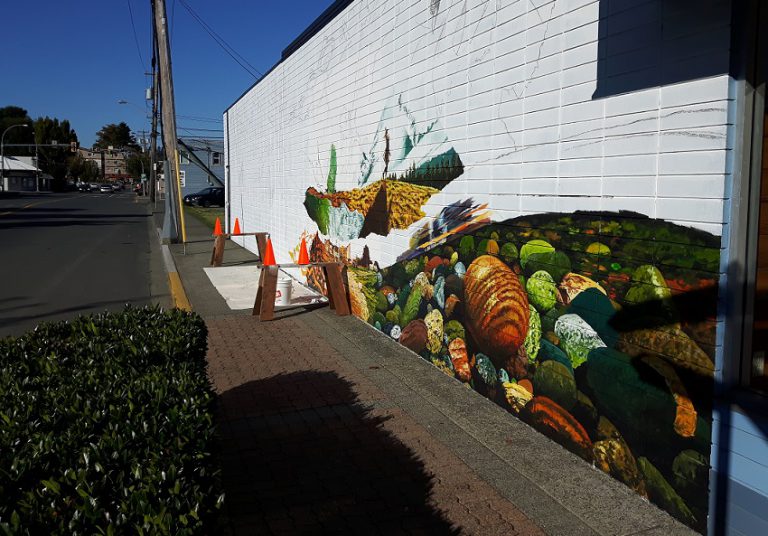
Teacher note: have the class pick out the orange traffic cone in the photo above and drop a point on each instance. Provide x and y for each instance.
(217, 228)
(237, 231)
(269, 255)
(303, 255)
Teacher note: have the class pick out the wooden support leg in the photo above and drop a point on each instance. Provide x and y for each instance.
(218, 251)
(269, 288)
(261, 244)
(259, 295)
(337, 294)
(327, 278)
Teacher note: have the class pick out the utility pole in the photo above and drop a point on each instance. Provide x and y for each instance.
(171, 228)
(153, 135)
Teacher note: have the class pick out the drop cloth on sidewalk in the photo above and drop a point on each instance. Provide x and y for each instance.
(238, 285)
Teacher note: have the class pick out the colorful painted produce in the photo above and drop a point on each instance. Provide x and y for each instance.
(496, 308)
(555, 422)
(460, 359)
(552, 323)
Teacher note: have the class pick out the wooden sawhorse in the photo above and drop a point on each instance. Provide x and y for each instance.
(264, 306)
(217, 257)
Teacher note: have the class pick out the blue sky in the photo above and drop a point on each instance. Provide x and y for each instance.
(75, 60)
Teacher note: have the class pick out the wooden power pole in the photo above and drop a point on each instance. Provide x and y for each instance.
(168, 110)
(153, 135)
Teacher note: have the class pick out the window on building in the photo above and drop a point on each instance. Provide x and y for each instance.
(216, 159)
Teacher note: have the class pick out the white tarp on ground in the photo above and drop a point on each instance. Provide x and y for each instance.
(238, 285)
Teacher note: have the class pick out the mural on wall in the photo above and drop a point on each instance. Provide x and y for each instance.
(406, 165)
(595, 328)
(580, 324)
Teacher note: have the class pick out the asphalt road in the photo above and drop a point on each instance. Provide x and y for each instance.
(63, 255)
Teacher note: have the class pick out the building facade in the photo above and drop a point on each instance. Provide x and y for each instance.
(111, 162)
(557, 203)
(202, 164)
(20, 174)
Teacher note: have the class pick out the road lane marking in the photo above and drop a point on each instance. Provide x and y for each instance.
(30, 205)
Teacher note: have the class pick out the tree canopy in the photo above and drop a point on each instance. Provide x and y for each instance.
(13, 115)
(54, 160)
(116, 135)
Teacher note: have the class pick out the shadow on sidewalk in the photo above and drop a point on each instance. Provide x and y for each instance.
(301, 455)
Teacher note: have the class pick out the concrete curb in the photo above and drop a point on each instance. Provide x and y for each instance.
(178, 294)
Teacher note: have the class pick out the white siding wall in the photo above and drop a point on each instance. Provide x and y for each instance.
(514, 86)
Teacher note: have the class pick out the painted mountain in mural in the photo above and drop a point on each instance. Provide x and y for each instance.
(402, 149)
(404, 168)
(596, 328)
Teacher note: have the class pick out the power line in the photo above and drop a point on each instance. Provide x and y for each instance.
(203, 129)
(253, 71)
(200, 119)
(135, 37)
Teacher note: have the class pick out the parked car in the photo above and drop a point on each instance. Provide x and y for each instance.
(105, 188)
(116, 187)
(83, 187)
(206, 198)
(94, 186)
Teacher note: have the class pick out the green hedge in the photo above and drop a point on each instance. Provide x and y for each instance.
(106, 427)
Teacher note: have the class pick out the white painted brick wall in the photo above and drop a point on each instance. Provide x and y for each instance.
(513, 84)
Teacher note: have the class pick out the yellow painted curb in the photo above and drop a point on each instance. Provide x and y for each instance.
(180, 299)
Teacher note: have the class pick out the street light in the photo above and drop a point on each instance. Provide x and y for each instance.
(2, 153)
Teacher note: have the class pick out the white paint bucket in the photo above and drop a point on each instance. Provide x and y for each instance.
(283, 292)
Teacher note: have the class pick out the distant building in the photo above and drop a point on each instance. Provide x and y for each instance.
(112, 161)
(202, 164)
(20, 173)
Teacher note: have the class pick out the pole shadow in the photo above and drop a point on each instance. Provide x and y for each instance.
(301, 454)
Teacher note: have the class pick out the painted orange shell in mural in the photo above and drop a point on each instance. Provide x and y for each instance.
(556, 423)
(496, 308)
(414, 335)
(458, 352)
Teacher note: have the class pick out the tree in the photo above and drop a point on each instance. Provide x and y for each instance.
(118, 136)
(136, 164)
(54, 160)
(83, 170)
(13, 115)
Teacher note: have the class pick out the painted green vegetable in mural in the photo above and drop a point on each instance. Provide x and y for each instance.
(412, 304)
(598, 248)
(663, 494)
(466, 247)
(542, 291)
(508, 252)
(454, 330)
(331, 182)
(555, 381)
(597, 310)
(534, 246)
(555, 263)
(434, 322)
(532, 342)
(577, 338)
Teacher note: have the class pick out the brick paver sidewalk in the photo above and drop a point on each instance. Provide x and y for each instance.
(310, 445)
